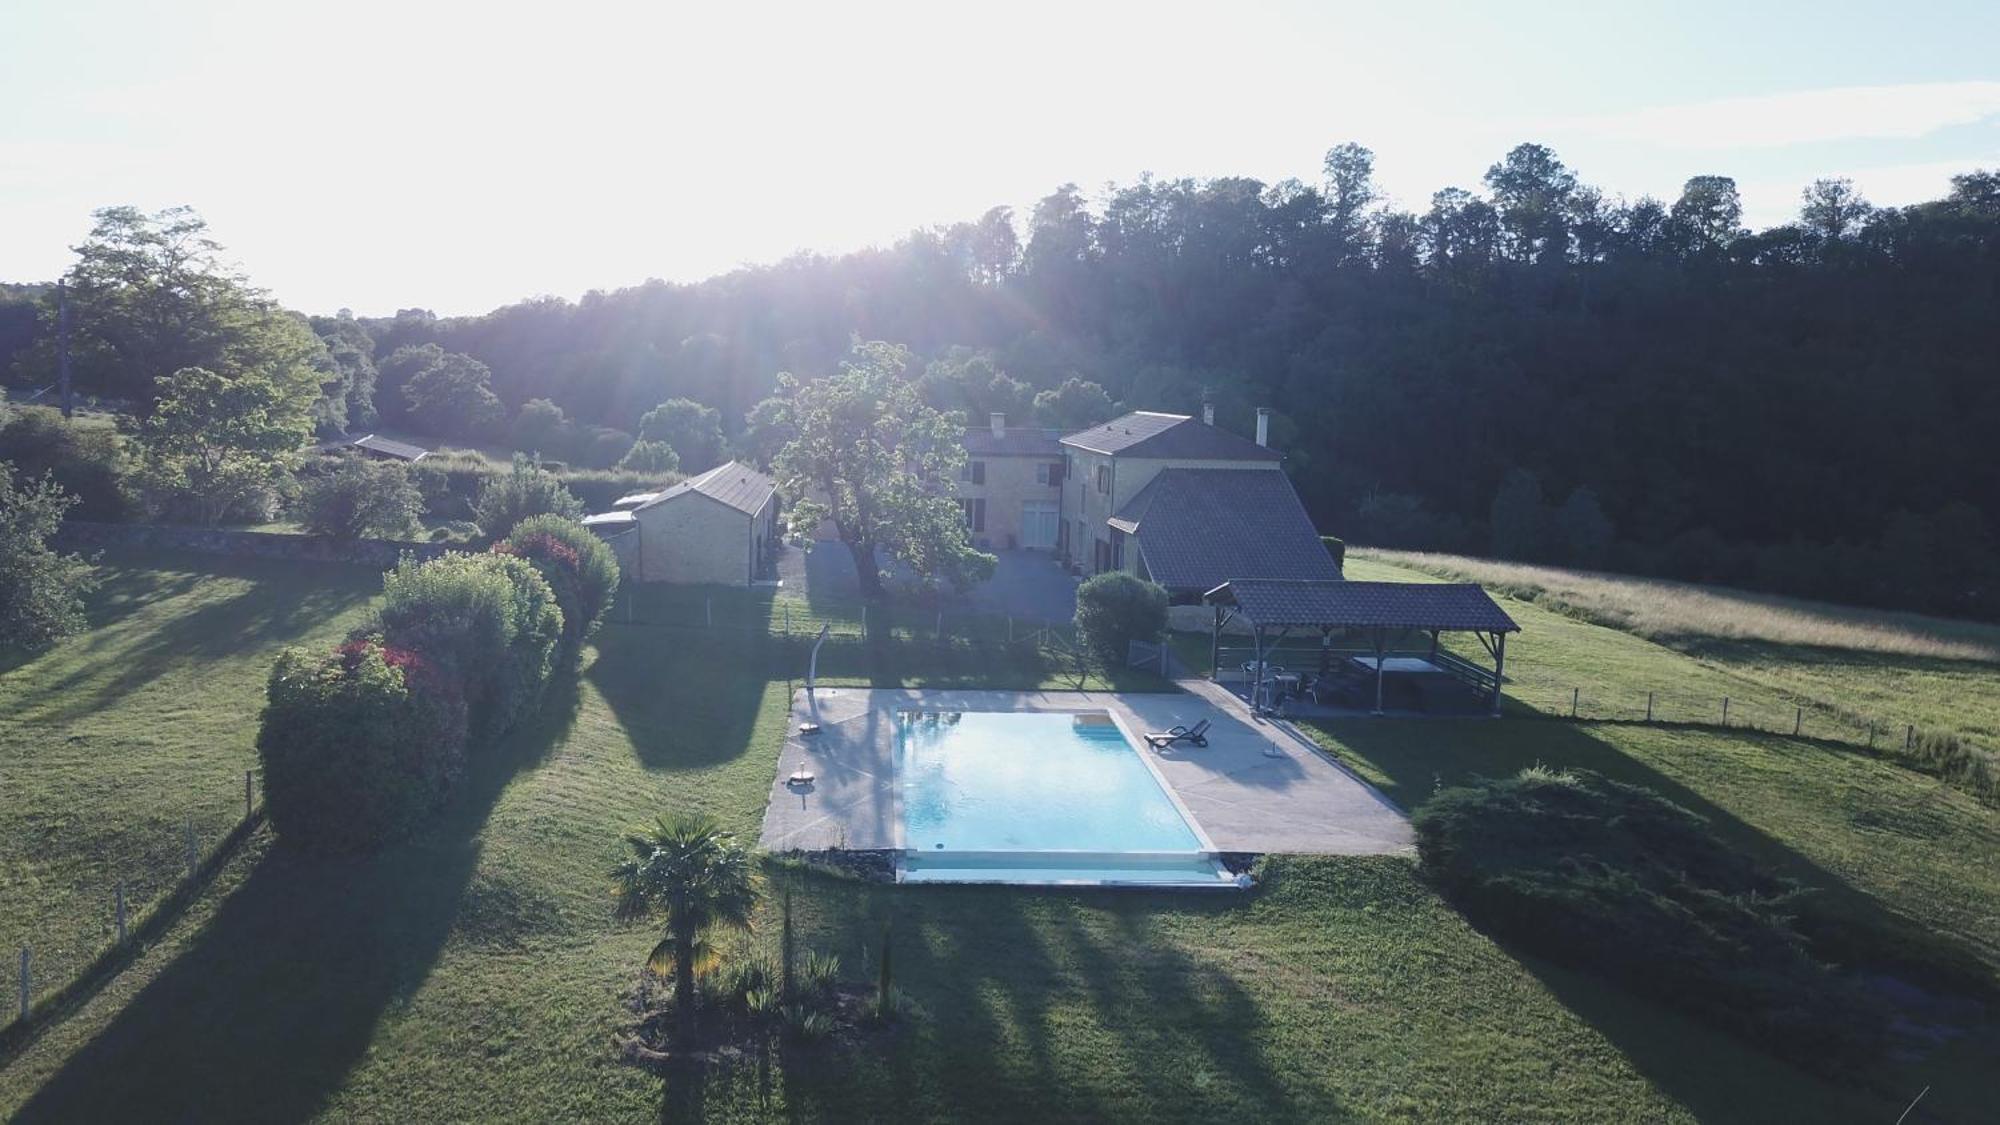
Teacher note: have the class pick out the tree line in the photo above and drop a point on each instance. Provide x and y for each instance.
(1524, 367)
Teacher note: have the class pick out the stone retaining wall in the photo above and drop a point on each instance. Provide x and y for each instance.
(80, 535)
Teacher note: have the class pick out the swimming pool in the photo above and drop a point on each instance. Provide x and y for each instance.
(1038, 797)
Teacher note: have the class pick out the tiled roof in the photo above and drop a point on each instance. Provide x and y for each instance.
(1013, 441)
(732, 482)
(389, 447)
(1145, 433)
(633, 499)
(1199, 528)
(609, 519)
(1393, 605)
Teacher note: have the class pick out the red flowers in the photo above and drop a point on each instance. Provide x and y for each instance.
(542, 546)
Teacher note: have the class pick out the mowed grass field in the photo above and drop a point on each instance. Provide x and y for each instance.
(475, 973)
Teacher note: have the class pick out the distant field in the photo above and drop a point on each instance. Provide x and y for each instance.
(1681, 612)
(1769, 655)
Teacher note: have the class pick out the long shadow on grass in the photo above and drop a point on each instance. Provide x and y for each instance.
(278, 996)
(270, 612)
(1034, 1004)
(1706, 1071)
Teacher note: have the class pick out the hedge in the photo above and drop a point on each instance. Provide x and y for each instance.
(359, 746)
(1115, 609)
(577, 565)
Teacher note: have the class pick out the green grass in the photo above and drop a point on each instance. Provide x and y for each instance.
(1892, 668)
(476, 973)
(112, 741)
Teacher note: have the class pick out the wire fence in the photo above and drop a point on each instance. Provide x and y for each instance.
(106, 922)
(783, 614)
(1542, 692)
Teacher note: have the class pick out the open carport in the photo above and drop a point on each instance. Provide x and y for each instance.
(1382, 614)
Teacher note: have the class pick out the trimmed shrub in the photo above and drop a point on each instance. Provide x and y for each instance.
(578, 566)
(1115, 609)
(1614, 879)
(488, 621)
(87, 460)
(359, 497)
(359, 747)
(651, 457)
(528, 490)
(41, 591)
(1336, 548)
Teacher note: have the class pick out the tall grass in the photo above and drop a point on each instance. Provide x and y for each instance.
(1668, 611)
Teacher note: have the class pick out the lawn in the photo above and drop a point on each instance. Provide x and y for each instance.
(476, 973)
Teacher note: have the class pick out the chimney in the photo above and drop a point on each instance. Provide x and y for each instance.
(1207, 413)
(1263, 425)
(999, 423)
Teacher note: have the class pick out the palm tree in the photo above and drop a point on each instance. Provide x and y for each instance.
(687, 868)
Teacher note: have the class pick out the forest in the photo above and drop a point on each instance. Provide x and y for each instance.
(1527, 367)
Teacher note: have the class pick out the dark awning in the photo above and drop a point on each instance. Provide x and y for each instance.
(1285, 603)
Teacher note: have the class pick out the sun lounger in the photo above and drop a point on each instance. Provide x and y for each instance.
(1197, 734)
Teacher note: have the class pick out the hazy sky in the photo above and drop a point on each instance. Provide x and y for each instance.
(385, 154)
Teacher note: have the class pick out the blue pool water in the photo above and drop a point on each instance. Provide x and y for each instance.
(999, 797)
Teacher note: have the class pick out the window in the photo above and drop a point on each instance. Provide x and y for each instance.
(973, 472)
(975, 514)
(1104, 478)
(1049, 473)
(1117, 549)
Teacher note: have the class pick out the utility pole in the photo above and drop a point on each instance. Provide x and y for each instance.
(62, 345)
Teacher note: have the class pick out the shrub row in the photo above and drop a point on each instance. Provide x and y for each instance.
(1611, 878)
(361, 746)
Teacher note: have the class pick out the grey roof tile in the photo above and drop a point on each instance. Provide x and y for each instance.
(1146, 433)
(1199, 528)
(1395, 605)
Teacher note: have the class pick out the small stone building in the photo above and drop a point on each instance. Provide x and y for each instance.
(720, 527)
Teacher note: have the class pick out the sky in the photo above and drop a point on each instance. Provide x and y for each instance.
(379, 155)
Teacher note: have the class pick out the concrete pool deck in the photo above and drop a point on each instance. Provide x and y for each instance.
(1244, 799)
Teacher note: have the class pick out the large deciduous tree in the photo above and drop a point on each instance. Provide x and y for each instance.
(691, 430)
(451, 397)
(215, 443)
(151, 294)
(870, 457)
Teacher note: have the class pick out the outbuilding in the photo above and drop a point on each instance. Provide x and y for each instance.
(719, 527)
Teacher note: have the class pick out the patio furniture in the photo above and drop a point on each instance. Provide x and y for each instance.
(1197, 734)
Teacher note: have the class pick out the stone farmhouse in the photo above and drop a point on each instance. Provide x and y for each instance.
(1168, 497)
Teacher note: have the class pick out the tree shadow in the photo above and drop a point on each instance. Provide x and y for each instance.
(278, 995)
(1701, 1068)
(263, 615)
(708, 682)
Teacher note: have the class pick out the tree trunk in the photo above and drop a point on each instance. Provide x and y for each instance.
(684, 984)
(866, 569)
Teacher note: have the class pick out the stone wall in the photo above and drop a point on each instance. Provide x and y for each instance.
(78, 535)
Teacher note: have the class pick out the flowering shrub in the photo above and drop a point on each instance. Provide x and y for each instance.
(579, 567)
(354, 753)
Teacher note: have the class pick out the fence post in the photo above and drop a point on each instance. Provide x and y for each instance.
(25, 989)
(1010, 628)
(1798, 720)
(940, 626)
(708, 611)
(121, 912)
(189, 825)
(246, 795)
(1909, 735)
(864, 621)
(1649, 706)
(1871, 734)
(1725, 710)
(1574, 695)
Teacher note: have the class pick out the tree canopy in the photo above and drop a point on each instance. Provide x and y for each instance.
(869, 456)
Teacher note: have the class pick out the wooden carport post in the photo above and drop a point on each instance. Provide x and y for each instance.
(1499, 668)
(1376, 635)
(1257, 648)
